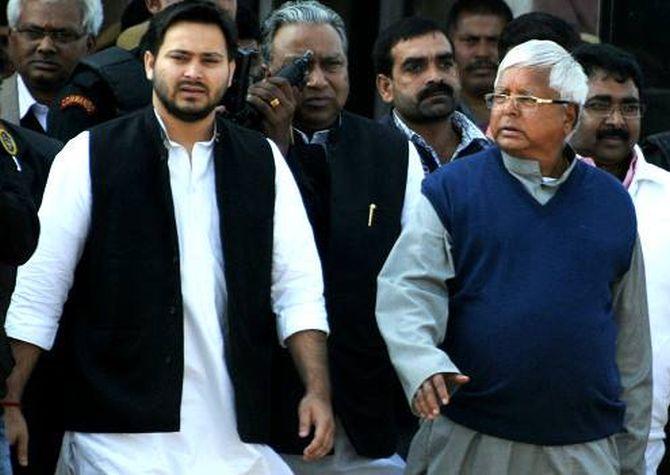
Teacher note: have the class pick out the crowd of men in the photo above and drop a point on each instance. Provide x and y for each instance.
(475, 283)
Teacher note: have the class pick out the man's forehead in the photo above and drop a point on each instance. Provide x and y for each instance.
(296, 38)
(525, 77)
(53, 14)
(480, 24)
(422, 46)
(603, 83)
(197, 38)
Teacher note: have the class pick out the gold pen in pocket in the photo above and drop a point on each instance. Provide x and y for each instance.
(371, 213)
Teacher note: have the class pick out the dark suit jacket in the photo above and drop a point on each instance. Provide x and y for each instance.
(20, 194)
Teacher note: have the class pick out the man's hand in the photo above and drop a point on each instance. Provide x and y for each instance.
(16, 433)
(276, 100)
(433, 393)
(315, 410)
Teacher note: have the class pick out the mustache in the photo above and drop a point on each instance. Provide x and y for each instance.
(481, 64)
(434, 89)
(613, 133)
(198, 84)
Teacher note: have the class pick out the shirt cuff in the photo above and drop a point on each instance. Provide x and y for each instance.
(301, 317)
(423, 367)
(37, 335)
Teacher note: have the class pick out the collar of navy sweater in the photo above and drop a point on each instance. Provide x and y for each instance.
(531, 168)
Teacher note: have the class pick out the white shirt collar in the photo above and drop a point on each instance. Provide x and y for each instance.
(27, 101)
(169, 143)
(646, 171)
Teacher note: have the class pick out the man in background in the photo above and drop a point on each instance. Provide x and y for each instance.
(46, 39)
(474, 27)
(608, 132)
(416, 73)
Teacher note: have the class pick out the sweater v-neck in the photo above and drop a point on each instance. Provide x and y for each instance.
(575, 172)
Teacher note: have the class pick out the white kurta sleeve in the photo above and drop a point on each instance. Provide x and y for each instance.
(297, 281)
(42, 284)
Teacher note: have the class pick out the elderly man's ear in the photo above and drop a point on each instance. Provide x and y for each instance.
(571, 118)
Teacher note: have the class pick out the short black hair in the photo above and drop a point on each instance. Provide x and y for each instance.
(538, 26)
(404, 29)
(195, 11)
(615, 62)
(477, 7)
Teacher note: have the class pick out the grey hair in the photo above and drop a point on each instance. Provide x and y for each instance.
(566, 75)
(290, 13)
(91, 13)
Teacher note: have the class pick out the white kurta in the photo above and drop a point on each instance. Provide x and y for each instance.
(650, 191)
(208, 441)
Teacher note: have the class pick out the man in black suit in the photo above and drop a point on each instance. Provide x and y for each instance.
(25, 157)
(33, 153)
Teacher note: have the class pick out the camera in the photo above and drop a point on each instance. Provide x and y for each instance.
(243, 113)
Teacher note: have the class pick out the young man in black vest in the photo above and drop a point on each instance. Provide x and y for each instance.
(169, 239)
(359, 180)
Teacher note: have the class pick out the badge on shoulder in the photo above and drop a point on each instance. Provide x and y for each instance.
(9, 144)
(77, 100)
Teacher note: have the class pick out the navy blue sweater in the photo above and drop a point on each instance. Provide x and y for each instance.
(530, 307)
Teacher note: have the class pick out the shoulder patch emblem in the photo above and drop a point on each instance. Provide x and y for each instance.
(8, 142)
(77, 100)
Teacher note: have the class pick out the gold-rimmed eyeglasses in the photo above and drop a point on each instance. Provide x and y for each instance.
(498, 99)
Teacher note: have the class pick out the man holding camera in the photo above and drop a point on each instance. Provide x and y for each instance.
(359, 180)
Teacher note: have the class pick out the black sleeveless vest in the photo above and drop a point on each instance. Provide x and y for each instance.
(364, 166)
(121, 336)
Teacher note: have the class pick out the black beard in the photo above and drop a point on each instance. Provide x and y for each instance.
(184, 115)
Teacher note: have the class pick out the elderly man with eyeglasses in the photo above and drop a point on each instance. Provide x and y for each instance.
(608, 131)
(513, 304)
(46, 39)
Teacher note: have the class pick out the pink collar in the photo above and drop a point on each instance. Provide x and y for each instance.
(630, 174)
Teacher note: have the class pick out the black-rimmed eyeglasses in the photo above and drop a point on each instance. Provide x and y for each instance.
(629, 110)
(34, 33)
